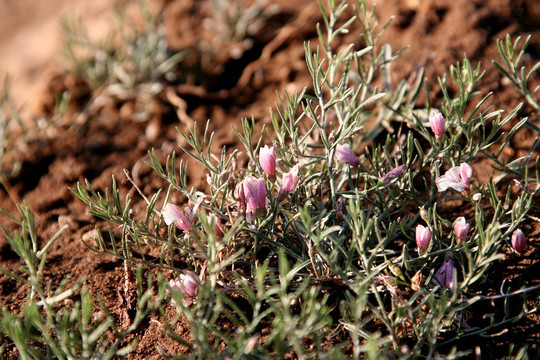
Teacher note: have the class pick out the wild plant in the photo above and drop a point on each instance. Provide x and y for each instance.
(10, 121)
(233, 24)
(135, 61)
(333, 231)
(52, 324)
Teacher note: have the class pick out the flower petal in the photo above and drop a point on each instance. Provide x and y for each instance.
(451, 179)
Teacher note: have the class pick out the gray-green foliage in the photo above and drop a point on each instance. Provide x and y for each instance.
(11, 126)
(48, 327)
(134, 62)
(233, 25)
(337, 255)
(8, 116)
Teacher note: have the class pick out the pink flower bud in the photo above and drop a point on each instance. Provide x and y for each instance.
(218, 226)
(445, 275)
(519, 242)
(190, 285)
(182, 219)
(251, 197)
(255, 192)
(344, 155)
(250, 215)
(290, 179)
(461, 229)
(240, 196)
(437, 124)
(252, 343)
(172, 213)
(267, 159)
(423, 237)
(175, 285)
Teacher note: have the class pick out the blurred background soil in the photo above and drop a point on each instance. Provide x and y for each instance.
(99, 139)
(31, 37)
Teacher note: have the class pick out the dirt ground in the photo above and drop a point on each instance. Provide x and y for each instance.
(106, 139)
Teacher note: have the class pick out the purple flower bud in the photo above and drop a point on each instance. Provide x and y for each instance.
(519, 242)
(437, 124)
(461, 229)
(445, 275)
(290, 179)
(267, 159)
(394, 173)
(462, 323)
(423, 237)
(344, 155)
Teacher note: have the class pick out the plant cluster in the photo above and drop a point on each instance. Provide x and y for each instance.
(331, 231)
(9, 119)
(50, 324)
(232, 27)
(135, 61)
